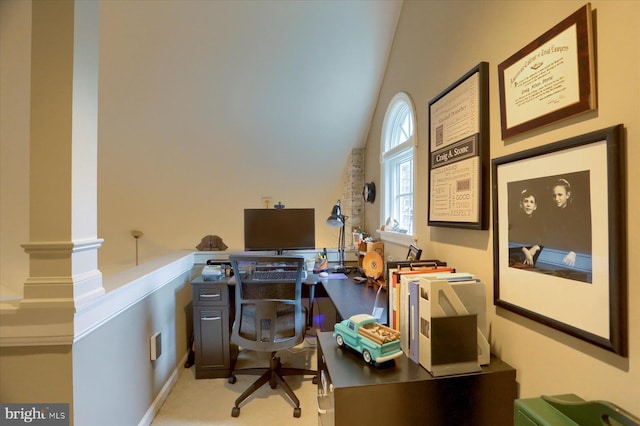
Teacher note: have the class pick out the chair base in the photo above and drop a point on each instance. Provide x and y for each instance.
(274, 375)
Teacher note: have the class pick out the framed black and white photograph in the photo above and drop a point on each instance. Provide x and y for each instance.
(459, 153)
(551, 78)
(559, 236)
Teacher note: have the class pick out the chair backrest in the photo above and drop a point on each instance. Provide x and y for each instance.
(268, 313)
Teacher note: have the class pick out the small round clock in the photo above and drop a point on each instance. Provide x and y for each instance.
(369, 192)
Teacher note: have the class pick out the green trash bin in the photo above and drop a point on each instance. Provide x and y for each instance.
(570, 410)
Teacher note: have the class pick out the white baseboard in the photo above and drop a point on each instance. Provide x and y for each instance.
(163, 394)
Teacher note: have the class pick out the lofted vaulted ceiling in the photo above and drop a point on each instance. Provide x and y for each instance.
(208, 106)
(298, 77)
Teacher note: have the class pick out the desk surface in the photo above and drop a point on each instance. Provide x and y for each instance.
(347, 369)
(350, 298)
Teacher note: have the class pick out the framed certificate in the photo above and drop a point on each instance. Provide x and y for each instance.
(459, 153)
(550, 79)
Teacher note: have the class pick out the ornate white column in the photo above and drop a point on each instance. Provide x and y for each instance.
(63, 246)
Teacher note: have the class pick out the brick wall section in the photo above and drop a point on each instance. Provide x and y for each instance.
(351, 200)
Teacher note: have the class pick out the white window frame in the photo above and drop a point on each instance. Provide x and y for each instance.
(389, 159)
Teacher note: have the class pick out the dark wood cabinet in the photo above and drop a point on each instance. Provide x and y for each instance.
(211, 328)
(351, 392)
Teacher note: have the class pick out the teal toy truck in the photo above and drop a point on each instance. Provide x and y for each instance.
(377, 343)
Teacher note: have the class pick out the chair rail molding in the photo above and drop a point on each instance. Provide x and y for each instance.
(51, 321)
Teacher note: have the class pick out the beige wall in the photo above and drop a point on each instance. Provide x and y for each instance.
(34, 373)
(15, 66)
(436, 43)
(195, 112)
(180, 154)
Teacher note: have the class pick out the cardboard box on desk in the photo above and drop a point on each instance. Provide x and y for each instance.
(377, 246)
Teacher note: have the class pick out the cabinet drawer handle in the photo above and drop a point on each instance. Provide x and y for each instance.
(320, 410)
(211, 318)
(210, 296)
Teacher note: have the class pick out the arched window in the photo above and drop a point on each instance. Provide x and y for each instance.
(398, 144)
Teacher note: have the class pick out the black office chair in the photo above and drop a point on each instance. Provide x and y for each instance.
(269, 317)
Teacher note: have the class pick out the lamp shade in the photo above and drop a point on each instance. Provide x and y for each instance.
(336, 219)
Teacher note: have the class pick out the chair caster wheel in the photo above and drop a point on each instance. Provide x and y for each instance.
(232, 379)
(297, 412)
(314, 380)
(235, 412)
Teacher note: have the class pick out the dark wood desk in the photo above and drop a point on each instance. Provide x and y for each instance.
(213, 316)
(350, 298)
(351, 392)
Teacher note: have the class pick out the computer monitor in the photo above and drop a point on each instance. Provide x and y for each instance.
(279, 229)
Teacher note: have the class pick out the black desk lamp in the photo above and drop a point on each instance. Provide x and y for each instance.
(337, 220)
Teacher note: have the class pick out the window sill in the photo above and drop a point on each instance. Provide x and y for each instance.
(396, 238)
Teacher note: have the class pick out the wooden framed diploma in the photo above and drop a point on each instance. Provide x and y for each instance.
(459, 153)
(550, 79)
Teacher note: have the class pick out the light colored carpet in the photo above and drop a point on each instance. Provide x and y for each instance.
(209, 401)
